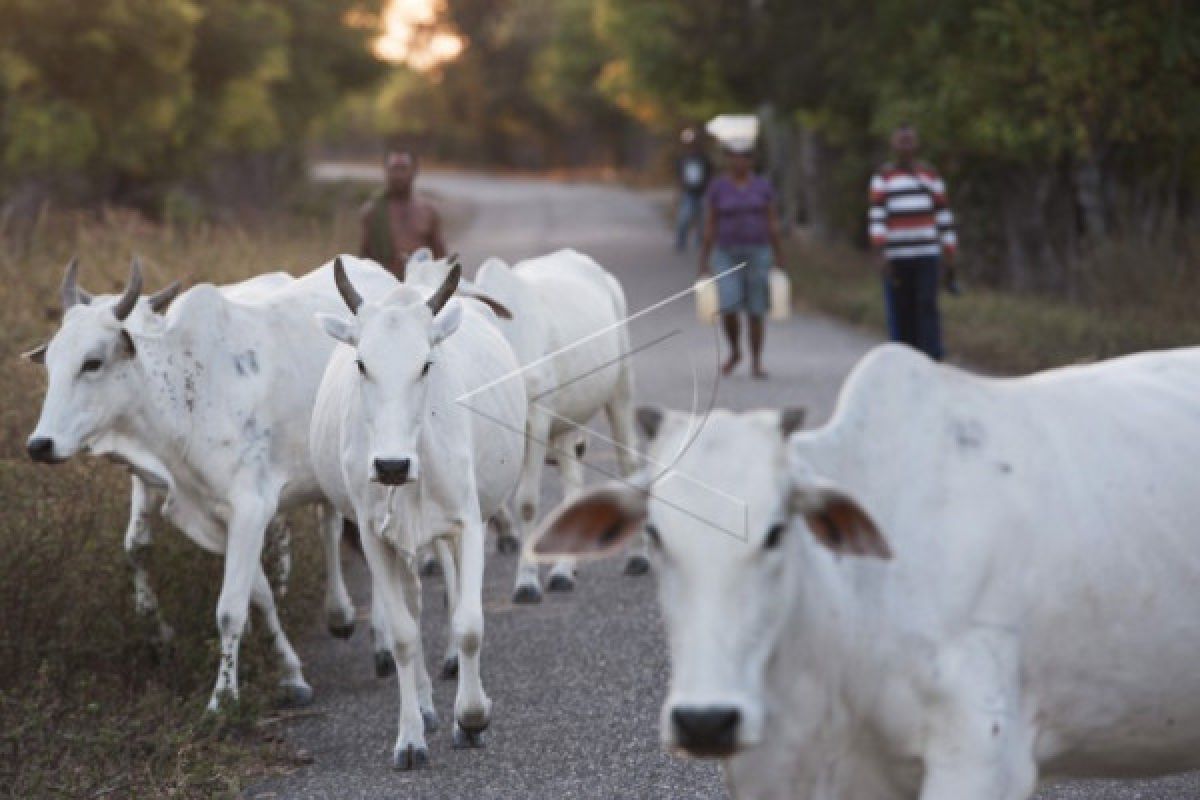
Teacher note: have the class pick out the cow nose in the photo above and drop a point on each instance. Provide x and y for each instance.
(41, 448)
(707, 731)
(392, 471)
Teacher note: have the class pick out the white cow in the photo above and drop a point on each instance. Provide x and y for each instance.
(567, 329)
(418, 438)
(146, 500)
(1024, 607)
(211, 406)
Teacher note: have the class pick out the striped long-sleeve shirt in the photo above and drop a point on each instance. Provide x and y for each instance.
(909, 216)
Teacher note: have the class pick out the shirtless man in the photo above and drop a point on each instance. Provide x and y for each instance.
(396, 222)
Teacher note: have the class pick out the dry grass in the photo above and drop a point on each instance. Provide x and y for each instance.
(1129, 305)
(88, 708)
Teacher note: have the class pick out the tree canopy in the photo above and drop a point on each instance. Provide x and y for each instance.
(113, 96)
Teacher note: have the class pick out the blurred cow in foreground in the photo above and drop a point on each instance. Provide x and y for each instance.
(957, 587)
(417, 436)
(210, 406)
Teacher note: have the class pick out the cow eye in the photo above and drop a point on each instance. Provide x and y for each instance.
(425, 369)
(652, 533)
(92, 364)
(774, 536)
(362, 368)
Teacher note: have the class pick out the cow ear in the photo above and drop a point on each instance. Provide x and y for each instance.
(838, 521)
(37, 355)
(469, 289)
(593, 524)
(446, 322)
(340, 328)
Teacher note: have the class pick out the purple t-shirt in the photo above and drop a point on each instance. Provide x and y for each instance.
(741, 211)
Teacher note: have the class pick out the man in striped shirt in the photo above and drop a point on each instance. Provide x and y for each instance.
(912, 230)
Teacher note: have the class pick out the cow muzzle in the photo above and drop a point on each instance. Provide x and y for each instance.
(706, 731)
(395, 471)
(42, 450)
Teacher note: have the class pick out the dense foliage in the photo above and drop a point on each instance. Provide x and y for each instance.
(116, 99)
(1061, 124)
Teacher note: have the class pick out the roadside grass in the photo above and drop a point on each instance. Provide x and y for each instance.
(88, 706)
(1127, 308)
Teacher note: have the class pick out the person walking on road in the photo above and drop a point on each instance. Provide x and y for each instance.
(395, 222)
(912, 230)
(693, 172)
(741, 230)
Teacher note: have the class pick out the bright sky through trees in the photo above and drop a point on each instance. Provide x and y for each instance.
(403, 41)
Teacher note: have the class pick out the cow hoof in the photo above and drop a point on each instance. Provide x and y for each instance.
(430, 568)
(295, 695)
(342, 631)
(637, 565)
(450, 668)
(560, 583)
(385, 665)
(507, 545)
(527, 595)
(410, 757)
(430, 718)
(464, 739)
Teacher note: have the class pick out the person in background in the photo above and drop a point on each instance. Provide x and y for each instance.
(693, 172)
(395, 222)
(741, 228)
(912, 230)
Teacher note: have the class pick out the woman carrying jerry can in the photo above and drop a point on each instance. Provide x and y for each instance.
(741, 244)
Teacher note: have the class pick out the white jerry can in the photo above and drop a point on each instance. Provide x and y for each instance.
(708, 300)
(779, 288)
(781, 294)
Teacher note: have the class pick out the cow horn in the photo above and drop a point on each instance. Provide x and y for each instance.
(133, 290)
(163, 297)
(438, 299)
(350, 295)
(71, 293)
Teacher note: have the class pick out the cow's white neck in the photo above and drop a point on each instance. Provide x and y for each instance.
(159, 421)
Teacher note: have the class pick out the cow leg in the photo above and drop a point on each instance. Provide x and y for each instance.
(381, 635)
(450, 570)
(562, 575)
(528, 589)
(390, 576)
(339, 608)
(472, 707)
(980, 742)
(412, 598)
(619, 411)
(243, 554)
(295, 691)
(144, 502)
(279, 545)
(507, 541)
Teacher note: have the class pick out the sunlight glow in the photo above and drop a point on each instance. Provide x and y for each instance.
(404, 41)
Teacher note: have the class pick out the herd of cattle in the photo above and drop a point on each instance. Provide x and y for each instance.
(955, 588)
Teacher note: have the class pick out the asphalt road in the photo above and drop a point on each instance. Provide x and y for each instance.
(578, 680)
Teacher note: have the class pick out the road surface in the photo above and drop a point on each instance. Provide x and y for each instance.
(578, 680)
